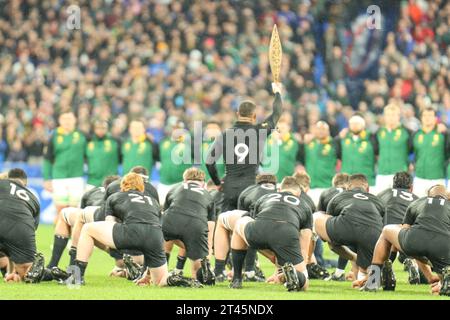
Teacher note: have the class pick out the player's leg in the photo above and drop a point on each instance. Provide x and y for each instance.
(320, 225)
(91, 232)
(84, 216)
(4, 263)
(239, 246)
(168, 247)
(222, 236)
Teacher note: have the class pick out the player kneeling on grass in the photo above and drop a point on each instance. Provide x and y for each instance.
(189, 219)
(139, 229)
(73, 219)
(424, 235)
(19, 219)
(281, 230)
(265, 184)
(353, 218)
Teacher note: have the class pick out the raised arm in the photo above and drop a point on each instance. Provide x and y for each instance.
(277, 107)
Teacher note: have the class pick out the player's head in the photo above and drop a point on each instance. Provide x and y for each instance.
(391, 115)
(403, 180)
(194, 174)
(247, 111)
(140, 170)
(289, 184)
(356, 124)
(428, 117)
(321, 130)
(212, 130)
(67, 121)
(100, 128)
(303, 180)
(18, 175)
(266, 178)
(283, 127)
(358, 181)
(136, 129)
(108, 180)
(340, 180)
(437, 191)
(132, 182)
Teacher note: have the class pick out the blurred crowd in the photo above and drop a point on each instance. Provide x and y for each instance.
(169, 61)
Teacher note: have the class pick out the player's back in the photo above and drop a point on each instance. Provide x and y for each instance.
(396, 202)
(326, 196)
(18, 203)
(283, 207)
(432, 214)
(189, 198)
(253, 193)
(358, 206)
(306, 199)
(94, 197)
(133, 207)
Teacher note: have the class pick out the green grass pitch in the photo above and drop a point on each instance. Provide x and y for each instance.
(100, 286)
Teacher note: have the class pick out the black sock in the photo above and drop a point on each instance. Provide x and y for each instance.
(3, 271)
(250, 259)
(167, 257)
(342, 263)
(238, 257)
(59, 244)
(82, 265)
(393, 256)
(181, 261)
(402, 257)
(219, 267)
(73, 255)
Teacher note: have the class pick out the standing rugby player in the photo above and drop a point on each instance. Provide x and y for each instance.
(138, 150)
(319, 158)
(63, 164)
(212, 131)
(393, 144)
(241, 147)
(102, 155)
(431, 152)
(355, 148)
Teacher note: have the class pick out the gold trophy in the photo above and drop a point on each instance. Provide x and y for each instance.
(275, 54)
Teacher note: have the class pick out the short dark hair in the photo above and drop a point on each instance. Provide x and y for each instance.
(18, 174)
(109, 179)
(358, 180)
(340, 180)
(402, 180)
(266, 178)
(140, 170)
(247, 109)
(290, 183)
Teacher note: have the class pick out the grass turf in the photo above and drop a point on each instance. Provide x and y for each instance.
(100, 286)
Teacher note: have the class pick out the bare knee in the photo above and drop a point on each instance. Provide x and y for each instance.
(22, 269)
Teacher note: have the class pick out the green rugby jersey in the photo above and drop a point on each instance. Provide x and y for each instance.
(431, 153)
(320, 158)
(393, 148)
(287, 151)
(141, 153)
(102, 155)
(174, 156)
(64, 155)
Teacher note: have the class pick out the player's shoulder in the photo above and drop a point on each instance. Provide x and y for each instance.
(385, 193)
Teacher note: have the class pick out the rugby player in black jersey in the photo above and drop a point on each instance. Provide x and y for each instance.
(265, 183)
(397, 200)
(353, 218)
(424, 235)
(139, 229)
(241, 147)
(189, 219)
(315, 270)
(19, 220)
(281, 229)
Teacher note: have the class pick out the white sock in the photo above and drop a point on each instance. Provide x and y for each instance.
(338, 272)
(361, 275)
